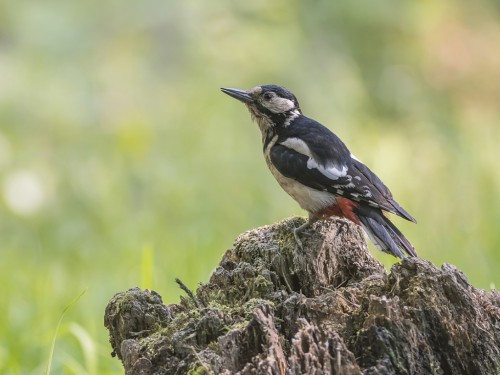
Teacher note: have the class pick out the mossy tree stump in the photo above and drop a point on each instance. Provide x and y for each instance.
(271, 308)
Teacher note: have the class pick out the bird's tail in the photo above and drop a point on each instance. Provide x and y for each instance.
(385, 236)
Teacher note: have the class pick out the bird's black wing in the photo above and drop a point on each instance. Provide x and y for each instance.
(311, 154)
(293, 164)
(372, 190)
(325, 147)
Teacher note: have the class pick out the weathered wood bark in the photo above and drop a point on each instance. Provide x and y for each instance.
(270, 308)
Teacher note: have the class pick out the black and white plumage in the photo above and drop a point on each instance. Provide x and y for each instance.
(317, 169)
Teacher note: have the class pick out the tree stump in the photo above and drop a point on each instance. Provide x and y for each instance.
(272, 308)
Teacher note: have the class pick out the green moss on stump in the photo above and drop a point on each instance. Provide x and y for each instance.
(270, 307)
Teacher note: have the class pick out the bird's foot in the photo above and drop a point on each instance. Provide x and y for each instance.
(297, 238)
(300, 229)
(341, 225)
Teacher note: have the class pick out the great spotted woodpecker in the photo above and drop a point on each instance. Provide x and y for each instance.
(317, 169)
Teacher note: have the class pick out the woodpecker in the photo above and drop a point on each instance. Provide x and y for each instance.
(317, 169)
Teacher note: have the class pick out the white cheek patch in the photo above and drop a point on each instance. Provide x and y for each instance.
(279, 105)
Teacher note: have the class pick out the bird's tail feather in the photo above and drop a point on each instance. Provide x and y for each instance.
(400, 211)
(385, 236)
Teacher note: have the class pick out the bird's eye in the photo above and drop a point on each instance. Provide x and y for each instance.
(268, 95)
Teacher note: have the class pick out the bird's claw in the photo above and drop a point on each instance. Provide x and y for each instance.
(300, 229)
(297, 239)
(341, 225)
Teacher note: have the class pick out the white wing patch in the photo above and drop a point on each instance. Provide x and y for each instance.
(332, 171)
(298, 145)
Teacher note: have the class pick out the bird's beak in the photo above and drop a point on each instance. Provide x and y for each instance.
(241, 95)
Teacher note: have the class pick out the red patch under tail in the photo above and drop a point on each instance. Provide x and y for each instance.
(343, 207)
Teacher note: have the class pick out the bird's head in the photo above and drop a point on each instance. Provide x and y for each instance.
(271, 106)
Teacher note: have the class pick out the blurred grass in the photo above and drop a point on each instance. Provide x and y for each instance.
(56, 333)
(122, 165)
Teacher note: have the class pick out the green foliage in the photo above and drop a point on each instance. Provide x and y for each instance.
(121, 163)
(85, 340)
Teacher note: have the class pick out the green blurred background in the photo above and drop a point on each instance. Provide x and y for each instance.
(122, 164)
